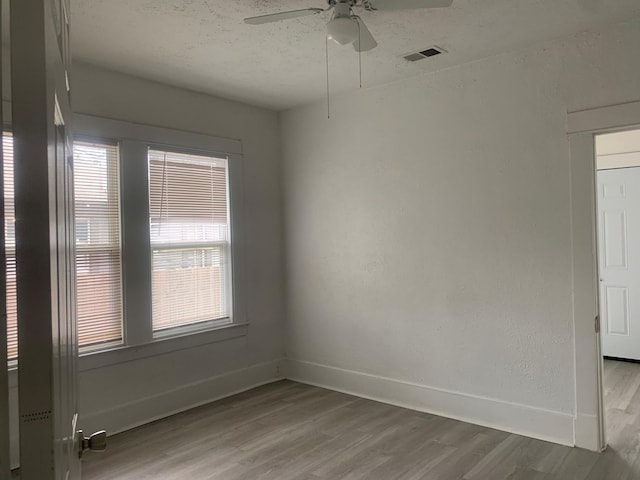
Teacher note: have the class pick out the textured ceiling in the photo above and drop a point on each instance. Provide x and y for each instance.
(203, 45)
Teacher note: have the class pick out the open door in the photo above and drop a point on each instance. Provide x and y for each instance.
(618, 195)
(5, 468)
(619, 237)
(49, 444)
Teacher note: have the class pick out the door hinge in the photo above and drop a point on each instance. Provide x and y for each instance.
(597, 323)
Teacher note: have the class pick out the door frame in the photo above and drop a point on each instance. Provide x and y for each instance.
(5, 437)
(582, 127)
(40, 103)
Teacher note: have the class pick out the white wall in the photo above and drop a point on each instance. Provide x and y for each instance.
(427, 233)
(111, 95)
(131, 393)
(618, 142)
(618, 150)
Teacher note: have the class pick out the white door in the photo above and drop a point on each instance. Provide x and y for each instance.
(619, 261)
(43, 176)
(5, 473)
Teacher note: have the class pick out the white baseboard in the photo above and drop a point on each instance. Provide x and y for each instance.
(148, 409)
(587, 432)
(525, 420)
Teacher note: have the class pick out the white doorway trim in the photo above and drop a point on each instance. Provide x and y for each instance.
(589, 430)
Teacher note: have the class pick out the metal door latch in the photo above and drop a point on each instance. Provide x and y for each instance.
(96, 441)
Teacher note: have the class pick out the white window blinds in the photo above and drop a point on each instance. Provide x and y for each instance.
(190, 239)
(98, 255)
(10, 247)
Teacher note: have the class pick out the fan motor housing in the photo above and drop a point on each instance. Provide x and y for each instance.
(333, 3)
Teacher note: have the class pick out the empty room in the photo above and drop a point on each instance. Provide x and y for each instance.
(320, 240)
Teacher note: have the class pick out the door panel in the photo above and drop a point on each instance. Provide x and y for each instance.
(615, 238)
(617, 308)
(45, 238)
(5, 443)
(619, 257)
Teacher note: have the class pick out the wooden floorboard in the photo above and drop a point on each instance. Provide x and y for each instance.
(291, 431)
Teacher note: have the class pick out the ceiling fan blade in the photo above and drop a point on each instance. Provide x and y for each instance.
(365, 42)
(409, 4)
(276, 17)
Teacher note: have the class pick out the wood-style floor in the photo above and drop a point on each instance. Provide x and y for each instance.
(287, 431)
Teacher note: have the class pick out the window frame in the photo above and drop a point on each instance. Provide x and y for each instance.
(212, 323)
(10, 251)
(115, 184)
(135, 140)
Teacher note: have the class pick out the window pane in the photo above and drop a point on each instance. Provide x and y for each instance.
(190, 241)
(10, 245)
(98, 261)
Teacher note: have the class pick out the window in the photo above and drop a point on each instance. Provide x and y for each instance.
(164, 215)
(190, 239)
(98, 259)
(97, 245)
(10, 247)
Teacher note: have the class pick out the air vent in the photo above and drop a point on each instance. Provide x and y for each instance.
(429, 52)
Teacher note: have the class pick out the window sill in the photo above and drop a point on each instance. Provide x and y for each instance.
(159, 346)
(191, 329)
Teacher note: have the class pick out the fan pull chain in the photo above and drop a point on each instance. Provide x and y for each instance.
(359, 51)
(327, 58)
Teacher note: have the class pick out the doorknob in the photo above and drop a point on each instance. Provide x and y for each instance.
(96, 441)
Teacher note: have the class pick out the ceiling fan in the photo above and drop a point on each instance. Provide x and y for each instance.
(345, 27)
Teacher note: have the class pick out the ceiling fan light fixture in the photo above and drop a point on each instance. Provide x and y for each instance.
(343, 30)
